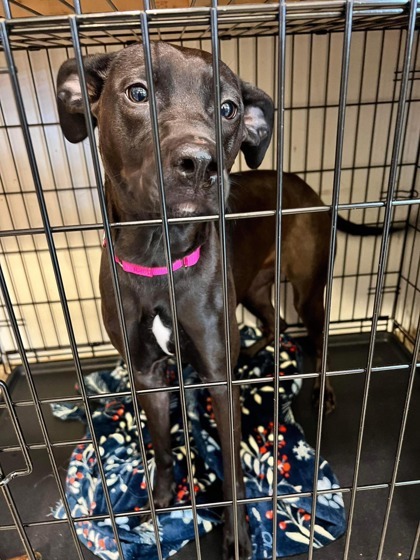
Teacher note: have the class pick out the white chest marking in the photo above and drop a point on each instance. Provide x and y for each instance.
(162, 334)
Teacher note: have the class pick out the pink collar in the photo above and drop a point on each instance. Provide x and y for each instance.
(186, 262)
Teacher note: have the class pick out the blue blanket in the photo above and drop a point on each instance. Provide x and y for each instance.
(117, 435)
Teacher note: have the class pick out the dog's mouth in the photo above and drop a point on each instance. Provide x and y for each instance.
(186, 209)
(184, 200)
(190, 209)
(183, 210)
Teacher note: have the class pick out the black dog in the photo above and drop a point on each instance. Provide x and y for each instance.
(118, 94)
(119, 101)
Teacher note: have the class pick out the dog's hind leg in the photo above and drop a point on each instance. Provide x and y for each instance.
(258, 300)
(309, 303)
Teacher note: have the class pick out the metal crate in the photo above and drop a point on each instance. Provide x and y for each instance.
(345, 80)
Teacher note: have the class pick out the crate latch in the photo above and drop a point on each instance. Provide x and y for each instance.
(5, 479)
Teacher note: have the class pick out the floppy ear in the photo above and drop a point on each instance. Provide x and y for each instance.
(69, 94)
(258, 118)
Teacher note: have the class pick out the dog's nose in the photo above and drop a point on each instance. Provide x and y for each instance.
(196, 163)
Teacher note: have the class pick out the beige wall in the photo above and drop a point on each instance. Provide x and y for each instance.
(67, 177)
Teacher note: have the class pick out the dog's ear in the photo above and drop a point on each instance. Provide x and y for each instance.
(258, 118)
(69, 93)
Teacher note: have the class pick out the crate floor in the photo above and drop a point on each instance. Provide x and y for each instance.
(37, 494)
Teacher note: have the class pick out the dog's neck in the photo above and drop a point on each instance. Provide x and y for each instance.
(145, 244)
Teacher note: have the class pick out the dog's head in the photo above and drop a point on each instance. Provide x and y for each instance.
(183, 82)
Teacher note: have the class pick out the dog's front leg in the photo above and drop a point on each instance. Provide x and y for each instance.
(156, 408)
(220, 408)
(210, 362)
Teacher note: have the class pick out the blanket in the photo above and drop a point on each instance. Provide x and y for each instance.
(116, 431)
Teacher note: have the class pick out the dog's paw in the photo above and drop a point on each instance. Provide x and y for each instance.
(329, 400)
(164, 493)
(161, 499)
(245, 551)
(244, 542)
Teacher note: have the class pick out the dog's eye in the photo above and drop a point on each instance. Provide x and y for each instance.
(137, 93)
(228, 110)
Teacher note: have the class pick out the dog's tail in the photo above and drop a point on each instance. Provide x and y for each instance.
(346, 226)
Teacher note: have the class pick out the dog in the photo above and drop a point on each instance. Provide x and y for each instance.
(118, 95)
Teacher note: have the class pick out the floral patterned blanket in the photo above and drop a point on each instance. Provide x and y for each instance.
(117, 435)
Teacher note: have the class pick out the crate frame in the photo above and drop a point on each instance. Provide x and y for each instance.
(275, 19)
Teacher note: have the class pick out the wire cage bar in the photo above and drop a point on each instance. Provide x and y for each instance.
(328, 290)
(345, 79)
(76, 200)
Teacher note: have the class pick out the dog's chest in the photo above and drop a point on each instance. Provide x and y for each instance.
(163, 335)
